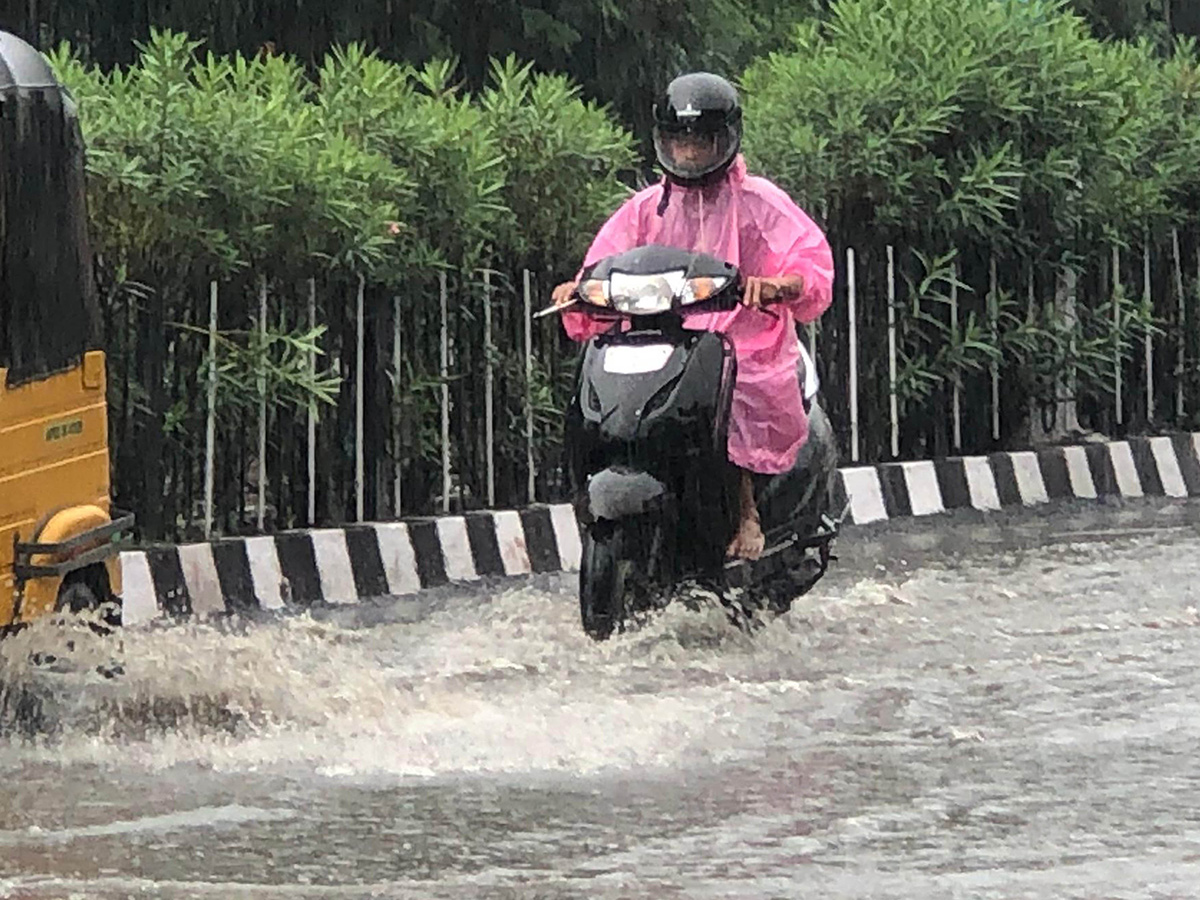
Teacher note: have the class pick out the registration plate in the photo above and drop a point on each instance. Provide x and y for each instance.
(636, 359)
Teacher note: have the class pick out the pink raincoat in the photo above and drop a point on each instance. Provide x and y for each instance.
(749, 222)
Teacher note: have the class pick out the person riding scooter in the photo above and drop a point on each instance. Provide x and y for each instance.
(708, 203)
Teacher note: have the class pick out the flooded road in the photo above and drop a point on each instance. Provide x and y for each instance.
(999, 710)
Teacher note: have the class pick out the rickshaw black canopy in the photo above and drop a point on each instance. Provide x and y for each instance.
(47, 292)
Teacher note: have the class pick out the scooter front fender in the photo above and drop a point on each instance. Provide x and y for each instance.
(618, 493)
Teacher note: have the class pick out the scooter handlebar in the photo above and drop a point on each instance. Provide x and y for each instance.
(732, 300)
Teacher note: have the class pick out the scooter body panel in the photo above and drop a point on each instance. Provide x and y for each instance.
(648, 448)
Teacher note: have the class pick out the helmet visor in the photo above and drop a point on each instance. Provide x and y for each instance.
(694, 153)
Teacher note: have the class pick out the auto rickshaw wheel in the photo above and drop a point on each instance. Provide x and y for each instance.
(78, 596)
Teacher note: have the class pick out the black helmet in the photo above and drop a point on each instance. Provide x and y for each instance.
(697, 127)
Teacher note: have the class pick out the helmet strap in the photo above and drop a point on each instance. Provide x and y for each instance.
(666, 197)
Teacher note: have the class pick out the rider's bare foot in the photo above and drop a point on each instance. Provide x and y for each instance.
(749, 541)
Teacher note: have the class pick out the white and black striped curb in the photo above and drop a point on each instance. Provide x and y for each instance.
(1138, 467)
(345, 565)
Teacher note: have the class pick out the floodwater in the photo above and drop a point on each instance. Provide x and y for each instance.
(963, 710)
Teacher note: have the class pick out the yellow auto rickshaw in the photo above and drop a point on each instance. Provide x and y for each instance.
(59, 534)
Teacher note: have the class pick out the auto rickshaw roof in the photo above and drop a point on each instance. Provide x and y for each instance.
(48, 308)
(22, 67)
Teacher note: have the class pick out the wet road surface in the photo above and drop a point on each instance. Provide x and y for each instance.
(999, 710)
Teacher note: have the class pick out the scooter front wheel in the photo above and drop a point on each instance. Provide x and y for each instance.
(602, 582)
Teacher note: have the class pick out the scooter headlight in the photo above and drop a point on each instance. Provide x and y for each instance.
(595, 292)
(646, 294)
(699, 289)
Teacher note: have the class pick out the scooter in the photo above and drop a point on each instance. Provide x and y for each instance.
(646, 432)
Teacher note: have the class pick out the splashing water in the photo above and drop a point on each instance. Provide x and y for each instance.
(1017, 720)
(508, 685)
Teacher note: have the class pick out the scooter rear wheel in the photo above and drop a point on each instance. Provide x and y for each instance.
(602, 581)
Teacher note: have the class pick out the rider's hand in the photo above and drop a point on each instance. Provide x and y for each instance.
(562, 294)
(759, 291)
